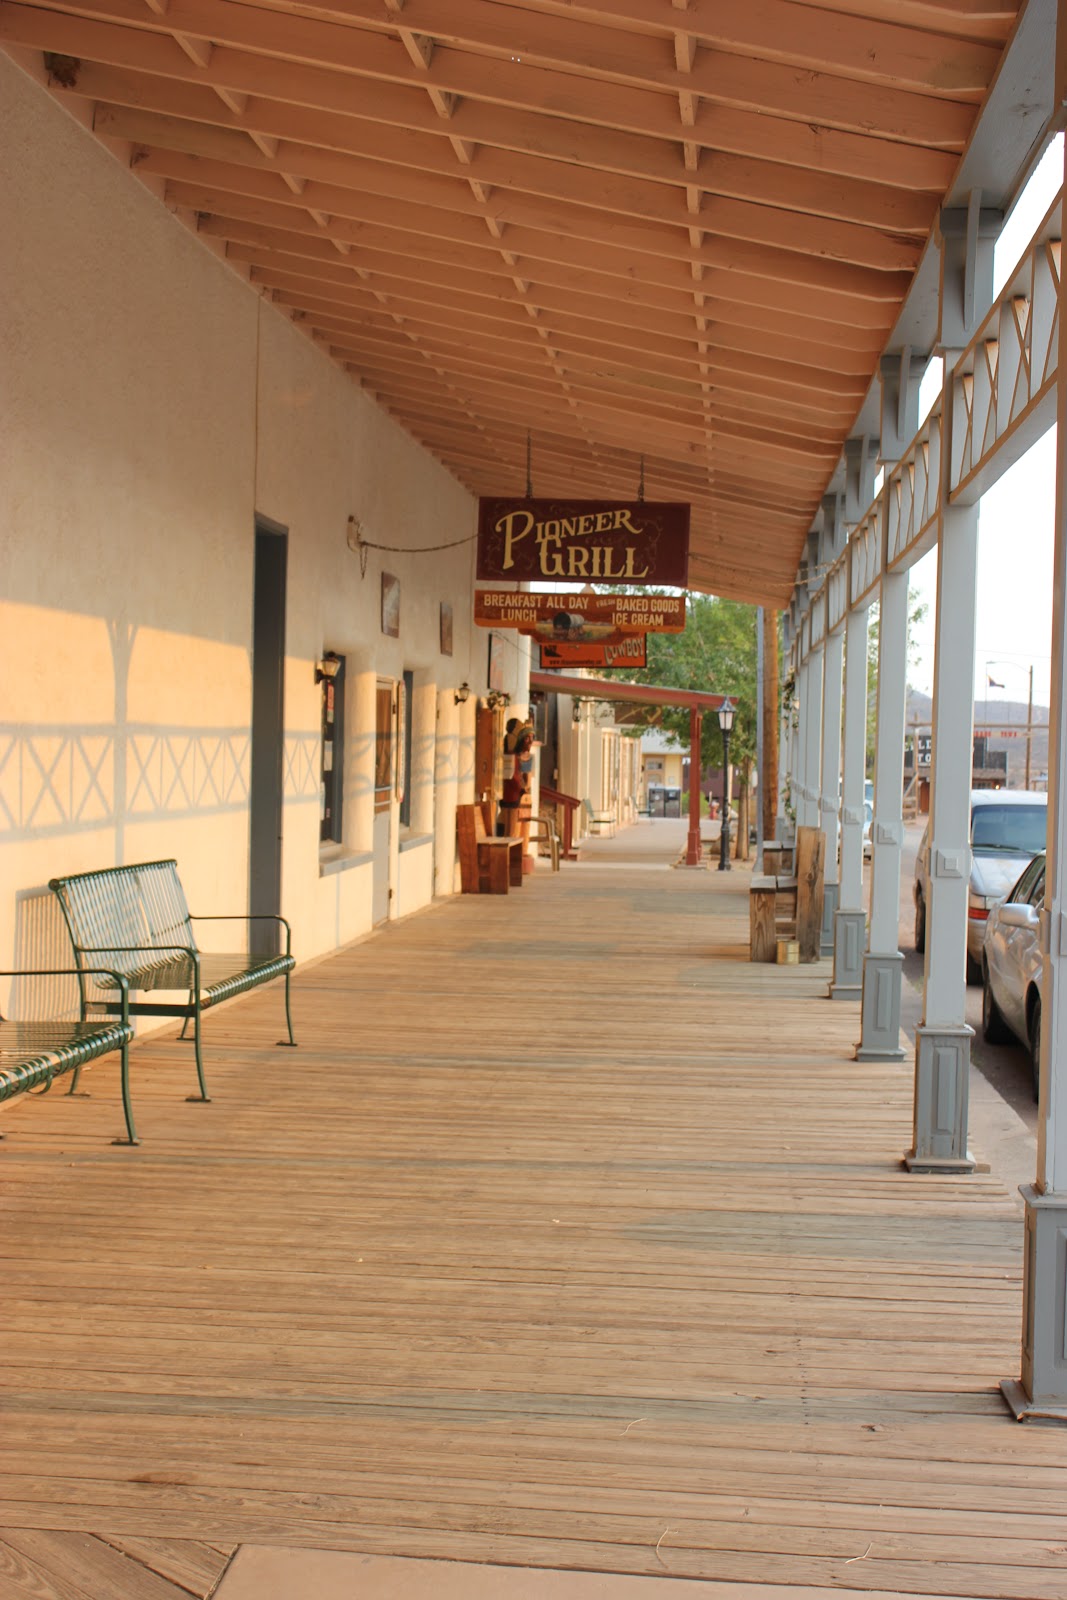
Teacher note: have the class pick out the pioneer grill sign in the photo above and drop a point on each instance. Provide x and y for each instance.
(584, 541)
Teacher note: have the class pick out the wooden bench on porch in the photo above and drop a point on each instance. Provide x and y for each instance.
(34, 1054)
(788, 907)
(137, 919)
(487, 865)
(772, 915)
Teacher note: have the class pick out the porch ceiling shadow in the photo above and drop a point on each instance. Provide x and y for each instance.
(681, 234)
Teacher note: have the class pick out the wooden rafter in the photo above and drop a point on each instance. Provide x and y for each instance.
(638, 230)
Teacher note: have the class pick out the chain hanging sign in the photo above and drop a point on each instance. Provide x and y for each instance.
(631, 651)
(579, 618)
(584, 541)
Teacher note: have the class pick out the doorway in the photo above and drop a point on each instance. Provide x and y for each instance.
(268, 733)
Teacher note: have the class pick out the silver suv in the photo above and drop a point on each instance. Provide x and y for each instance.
(1007, 831)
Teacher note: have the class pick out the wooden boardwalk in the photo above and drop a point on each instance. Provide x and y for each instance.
(566, 1239)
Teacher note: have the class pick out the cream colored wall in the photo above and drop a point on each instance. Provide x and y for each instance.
(671, 775)
(152, 406)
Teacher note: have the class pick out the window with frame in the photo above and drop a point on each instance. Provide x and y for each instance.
(332, 758)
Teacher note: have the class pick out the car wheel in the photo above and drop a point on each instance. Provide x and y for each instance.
(1035, 1045)
(994, 1028)
(920, 924)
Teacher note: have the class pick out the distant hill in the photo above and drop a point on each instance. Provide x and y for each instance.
(999, 715)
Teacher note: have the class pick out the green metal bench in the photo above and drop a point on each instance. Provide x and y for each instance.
(34, 1054)
(137, 918)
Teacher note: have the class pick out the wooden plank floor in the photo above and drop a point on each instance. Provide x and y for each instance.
(567, 1238)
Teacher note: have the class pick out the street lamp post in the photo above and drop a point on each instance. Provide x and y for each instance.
(726, 723)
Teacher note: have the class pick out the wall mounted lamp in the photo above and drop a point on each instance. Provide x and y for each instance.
(328, 667)
(462, 694)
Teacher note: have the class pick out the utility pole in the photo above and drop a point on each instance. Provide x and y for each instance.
(1029, 725)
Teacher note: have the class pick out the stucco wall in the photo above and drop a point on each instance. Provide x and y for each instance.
(152, 406)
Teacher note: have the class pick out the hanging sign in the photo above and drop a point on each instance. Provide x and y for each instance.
(579, 618)
(587, 541)
(630, 651)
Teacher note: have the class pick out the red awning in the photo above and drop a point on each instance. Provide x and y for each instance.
(646, 694)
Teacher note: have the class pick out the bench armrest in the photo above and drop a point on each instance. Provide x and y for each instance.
(255, 916)
(76, 972)
(136, 950)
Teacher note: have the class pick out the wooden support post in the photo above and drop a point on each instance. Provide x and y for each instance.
(692, 849)
(811, 849)
(768, 799)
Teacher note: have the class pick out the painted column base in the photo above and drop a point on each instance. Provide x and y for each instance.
(831, 897)
(1041, 1391)
(880, 1014)
(850, 939)
(942, 1075)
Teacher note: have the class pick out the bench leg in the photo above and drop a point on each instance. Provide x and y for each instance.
(203, 1095)
(75, 1075)
(498, 871)
(127, 1104)
(288, 1017)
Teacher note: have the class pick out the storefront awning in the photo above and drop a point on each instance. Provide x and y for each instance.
(646, 694)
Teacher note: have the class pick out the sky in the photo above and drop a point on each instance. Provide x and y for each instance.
(1016, 523)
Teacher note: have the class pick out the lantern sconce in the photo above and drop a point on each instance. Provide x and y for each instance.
(462, 694)
(328, 667)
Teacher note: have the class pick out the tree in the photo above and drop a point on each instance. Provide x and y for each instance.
(715, 654)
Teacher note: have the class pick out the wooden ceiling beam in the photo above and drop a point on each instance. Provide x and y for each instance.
(842, 349)
(823, 419)
(816, 99)
(677, 233)
(605, 43)
(805, 272)
(357, 338)
(807, 467)
(757, 202)
(413, 359)
(555, 455)
(226, 188)
(238, 74)
(488, 459)
(356, 294)
(616, 326)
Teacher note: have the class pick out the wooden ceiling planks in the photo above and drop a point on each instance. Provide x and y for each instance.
(673, 233)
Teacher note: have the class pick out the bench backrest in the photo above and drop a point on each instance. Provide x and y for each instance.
(140, 906)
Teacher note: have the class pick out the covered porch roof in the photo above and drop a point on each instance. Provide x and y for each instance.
(666, 242)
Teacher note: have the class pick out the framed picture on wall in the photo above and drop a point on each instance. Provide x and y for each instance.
(446, 628)
(390, 605)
